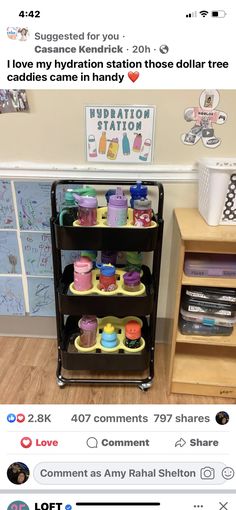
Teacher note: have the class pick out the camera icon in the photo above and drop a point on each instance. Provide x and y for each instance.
(207, 473)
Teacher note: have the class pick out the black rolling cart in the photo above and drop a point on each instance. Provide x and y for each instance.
(70, 308)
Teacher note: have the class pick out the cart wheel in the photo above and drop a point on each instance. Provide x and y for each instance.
(60, 383)
(145, 386)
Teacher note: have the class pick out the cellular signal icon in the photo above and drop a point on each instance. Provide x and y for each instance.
(204, 13)
(191, 14)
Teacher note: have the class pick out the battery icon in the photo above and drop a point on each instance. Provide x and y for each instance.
(218, 14)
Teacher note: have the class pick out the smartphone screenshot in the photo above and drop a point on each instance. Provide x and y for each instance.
(117, 255)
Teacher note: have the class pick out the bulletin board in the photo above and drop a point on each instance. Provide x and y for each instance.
(26, 270)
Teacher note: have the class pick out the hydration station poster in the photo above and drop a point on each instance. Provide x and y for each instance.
(120, 134)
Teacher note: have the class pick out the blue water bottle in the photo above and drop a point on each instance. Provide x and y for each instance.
(137, 191)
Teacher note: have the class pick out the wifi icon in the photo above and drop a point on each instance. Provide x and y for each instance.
(204, 13)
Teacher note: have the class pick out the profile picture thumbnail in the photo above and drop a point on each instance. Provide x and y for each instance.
(222, 418)
(18, 473)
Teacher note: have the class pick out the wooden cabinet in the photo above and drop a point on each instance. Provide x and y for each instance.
(199, 365)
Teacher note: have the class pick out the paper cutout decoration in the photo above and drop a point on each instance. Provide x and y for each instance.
(204, 117)
(12, 101)
(33, 204)
(11, 296)
(7, 215)
(9, 253)
(41, 292)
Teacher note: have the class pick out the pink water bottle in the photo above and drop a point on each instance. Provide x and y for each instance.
(83, 274)
(87, 210)
(88, 330)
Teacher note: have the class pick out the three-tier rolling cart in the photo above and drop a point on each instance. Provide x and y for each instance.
(70, 308)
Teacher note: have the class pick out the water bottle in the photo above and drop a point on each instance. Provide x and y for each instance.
(83, 274)
(109, 337)
(137, 191)
(113, 148)
(132, 281)
(125, 145)
(107, 277)
(143, 156)
(87, 210)
(92, 148)
(133, 261)
(132, 334)
(109, 193)
(102, 143)
(88, 330)
(86, 191)
(137, 142)
(117, 209)
(109, 257)
(142, 213)
(68, 209)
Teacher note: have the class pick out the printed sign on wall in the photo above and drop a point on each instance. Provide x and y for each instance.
(123, 134)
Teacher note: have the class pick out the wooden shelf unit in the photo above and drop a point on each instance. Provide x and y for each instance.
(199, 365)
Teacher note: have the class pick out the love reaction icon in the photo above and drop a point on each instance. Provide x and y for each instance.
(20, 418)
(26, 442)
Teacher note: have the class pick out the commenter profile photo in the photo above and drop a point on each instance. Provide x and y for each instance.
(222, 418)
(18, 473)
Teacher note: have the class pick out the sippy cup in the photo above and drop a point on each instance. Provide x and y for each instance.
(132, 281)
(117, 209)
(87, 210)
(107, 277)
(88, 330)
(83, 274)
(109, 337)
(132, 334)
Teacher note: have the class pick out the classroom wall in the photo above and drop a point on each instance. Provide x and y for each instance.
(54, 132)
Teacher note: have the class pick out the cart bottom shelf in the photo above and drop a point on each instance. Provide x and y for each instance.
(119, 361)
(205, 370)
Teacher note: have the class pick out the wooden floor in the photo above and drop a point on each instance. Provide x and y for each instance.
(28, 368)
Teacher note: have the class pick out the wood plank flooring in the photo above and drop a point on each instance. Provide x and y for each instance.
(28, 366)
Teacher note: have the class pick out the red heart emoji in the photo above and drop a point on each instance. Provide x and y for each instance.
(133, 76)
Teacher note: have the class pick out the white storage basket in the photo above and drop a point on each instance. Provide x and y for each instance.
(217, 190)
